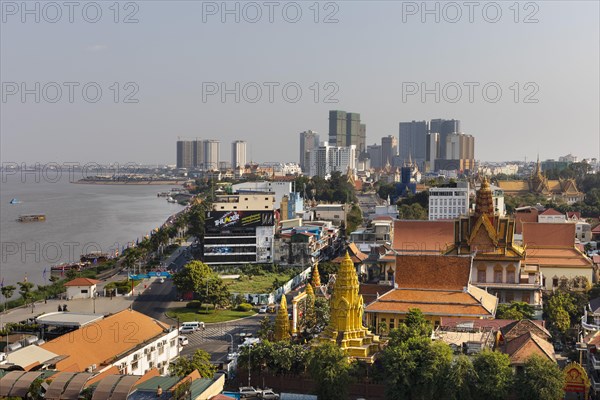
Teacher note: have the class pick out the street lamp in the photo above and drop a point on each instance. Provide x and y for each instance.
(94, 300)
(231, 336)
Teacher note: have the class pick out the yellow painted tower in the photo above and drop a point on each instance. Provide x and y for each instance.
(346, 312)
(282, 322)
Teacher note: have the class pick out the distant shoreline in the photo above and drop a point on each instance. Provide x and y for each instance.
(86, 182)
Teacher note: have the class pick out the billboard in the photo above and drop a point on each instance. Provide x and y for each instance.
(238, 219)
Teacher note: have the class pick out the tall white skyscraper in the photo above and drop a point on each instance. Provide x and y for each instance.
(309, 140)
(211, 154)
(238, 154)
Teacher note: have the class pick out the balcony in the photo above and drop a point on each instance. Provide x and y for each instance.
(595, 383)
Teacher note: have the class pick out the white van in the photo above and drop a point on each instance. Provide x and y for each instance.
(195, 325)
(183, 341)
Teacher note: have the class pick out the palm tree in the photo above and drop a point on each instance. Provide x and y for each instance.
(7, 291)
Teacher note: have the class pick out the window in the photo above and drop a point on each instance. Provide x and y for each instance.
(525, 298)
(481, 275)
(161, 350)
(222, 207)
(554, 282)
(510, 276)
(134, 365)
(392, 323)
(172, 343)
(84, 290)
(497, 276)
(235, 207)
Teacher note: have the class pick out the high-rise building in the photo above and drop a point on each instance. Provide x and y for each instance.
(389, 149)
(412, 143)
(345, 129)
(238, 154)
(327, 159)
(198, 153)
(337, 128)
(460, 153)
(375, 152)
(444, 127)
(309, 140)
(185, 154)
(211, 155)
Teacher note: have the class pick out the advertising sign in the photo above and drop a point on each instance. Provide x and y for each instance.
(235, 219)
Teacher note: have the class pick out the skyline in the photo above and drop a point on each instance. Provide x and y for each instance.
(172, 63)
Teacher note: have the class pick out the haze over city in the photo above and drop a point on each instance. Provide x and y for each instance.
(178, 55)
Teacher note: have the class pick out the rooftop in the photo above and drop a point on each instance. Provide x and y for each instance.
(68, 319)
(422, 236)
(433, 272)
(82, 282)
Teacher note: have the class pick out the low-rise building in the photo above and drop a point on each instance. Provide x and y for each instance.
(81, 288)
(448, 203)
(435, 284)
(127, 341)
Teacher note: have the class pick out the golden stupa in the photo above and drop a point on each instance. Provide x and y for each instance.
(346, 312)
(282, 322)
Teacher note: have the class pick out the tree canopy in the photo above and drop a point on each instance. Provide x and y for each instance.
(185, 365)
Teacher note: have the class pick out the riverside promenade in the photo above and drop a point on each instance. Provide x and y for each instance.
(102, 305)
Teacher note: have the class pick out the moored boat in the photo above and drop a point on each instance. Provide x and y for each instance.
(31, 218)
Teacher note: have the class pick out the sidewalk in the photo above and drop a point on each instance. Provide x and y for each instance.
(104, 305)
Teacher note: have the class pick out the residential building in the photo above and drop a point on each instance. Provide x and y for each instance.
(128, 341)
(444, 127)
(412, 142)
(185, 154)
(309, 140)
(551, 216)
(337, 128)
(279, 188)
(523, 339)
(435, 284)
(499, 263)
(238, 154)
(211, 155)
(240, 229)
(433, 151)
(303, 244)
(375, 153)
(327, 159)
(335, 213)
(448, 203)
(346, 129)
(389, 149)
(551, 248)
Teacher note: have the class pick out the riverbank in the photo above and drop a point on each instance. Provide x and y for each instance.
(93, 182)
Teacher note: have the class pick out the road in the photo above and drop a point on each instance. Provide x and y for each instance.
(216, 338)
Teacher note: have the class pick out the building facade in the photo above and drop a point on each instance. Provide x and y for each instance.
(327, 159)
(389, 149)
(211, 155)
(309, 140)
(238, 154)
(412, 142)
(240, 229)
(448, 203)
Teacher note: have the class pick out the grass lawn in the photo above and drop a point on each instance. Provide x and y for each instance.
(257, 285)
(188, 314)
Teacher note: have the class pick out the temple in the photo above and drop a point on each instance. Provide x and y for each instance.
(562, 189)
(499, 263)
(346, 313)
(282, 323)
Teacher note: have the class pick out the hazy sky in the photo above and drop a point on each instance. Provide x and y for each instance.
(371, 61)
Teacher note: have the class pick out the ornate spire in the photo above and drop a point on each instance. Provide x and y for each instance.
(315, 279)
(282, 322)
(484, 203)
(346, 304)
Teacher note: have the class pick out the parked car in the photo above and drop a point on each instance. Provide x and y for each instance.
(271, 309)
(263, 310)
(187, 329)
(248, 392)
(183, 341)
(269, 394)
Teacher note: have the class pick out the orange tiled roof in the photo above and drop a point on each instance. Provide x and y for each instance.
(82, 282)
(422, 236)
(433, 272)
(523, 217)
(550, 257)
(552, 234)
(430, 302)
(514, 186)
(551, 211)
(101, 342)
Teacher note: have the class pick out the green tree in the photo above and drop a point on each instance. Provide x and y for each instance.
(25, 290)
(185, 365)
(540, 379)
(218, 292)
(461, 379)
(494, 375)
(415, 325)
(321, 314)
(515, 310)
(71, 274)
(416, 369)
(354, 218)
(265, 332)
(193, 277)
(413, 211)
(562, 309)
(7, 292)
(329, 367)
